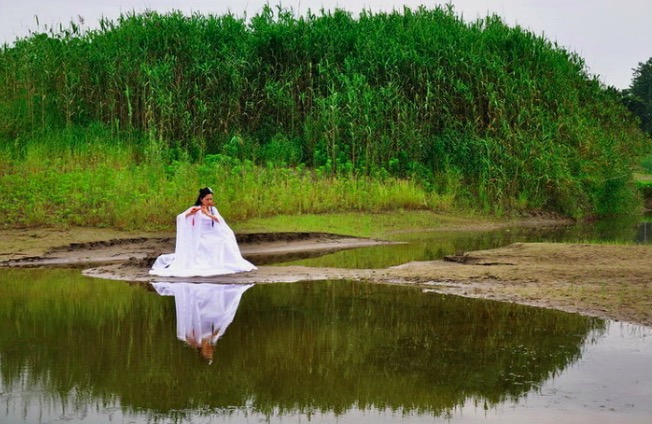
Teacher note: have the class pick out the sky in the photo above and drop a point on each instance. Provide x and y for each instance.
(612, 36)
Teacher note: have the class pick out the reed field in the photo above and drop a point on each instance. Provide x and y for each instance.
(285, 114)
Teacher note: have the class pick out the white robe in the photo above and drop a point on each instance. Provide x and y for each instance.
(204, 311)
(203, 248)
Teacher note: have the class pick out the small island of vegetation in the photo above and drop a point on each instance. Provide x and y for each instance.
(284, 114)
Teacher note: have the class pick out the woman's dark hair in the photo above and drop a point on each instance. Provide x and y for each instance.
(203, 192)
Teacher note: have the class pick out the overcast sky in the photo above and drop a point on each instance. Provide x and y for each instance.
(613, 36)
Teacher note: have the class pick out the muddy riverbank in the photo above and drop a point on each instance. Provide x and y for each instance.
(609, 281)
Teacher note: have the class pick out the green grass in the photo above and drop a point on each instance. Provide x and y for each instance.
(108, 187)
(408, 109)
(373, 225)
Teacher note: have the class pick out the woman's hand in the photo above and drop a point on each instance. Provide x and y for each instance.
(193, 210)
(206, 211)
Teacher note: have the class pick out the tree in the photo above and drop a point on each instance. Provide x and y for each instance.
(639, 96)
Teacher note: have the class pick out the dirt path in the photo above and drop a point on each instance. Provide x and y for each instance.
(609, 281)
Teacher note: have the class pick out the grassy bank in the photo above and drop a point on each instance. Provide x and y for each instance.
(288, 114)
(99, 181)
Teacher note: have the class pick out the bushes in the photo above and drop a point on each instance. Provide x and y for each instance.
(418, 94)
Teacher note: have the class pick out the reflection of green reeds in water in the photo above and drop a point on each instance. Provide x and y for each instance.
(420, 247)
(292, 348)
(434, 245)
(65, 329)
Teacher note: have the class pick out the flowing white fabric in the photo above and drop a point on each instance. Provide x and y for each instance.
(204, 311)
(203, 248)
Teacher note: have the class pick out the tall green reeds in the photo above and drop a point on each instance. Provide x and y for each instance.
(492, 114)
(90, 178)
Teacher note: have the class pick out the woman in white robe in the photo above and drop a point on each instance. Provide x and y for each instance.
(205, 244)
(204, 311)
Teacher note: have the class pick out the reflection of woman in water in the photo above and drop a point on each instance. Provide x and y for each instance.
(204, 311)
(205, 244)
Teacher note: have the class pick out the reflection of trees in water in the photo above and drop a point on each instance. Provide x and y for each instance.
(328, 346)
(388, 347)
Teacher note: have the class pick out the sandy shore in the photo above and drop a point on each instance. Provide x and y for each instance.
(608, 281)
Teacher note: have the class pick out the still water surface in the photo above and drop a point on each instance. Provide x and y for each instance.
(74, 349)
(434, 245)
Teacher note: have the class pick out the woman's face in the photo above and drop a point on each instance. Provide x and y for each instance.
(207, 200)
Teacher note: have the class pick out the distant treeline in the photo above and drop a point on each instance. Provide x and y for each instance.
(492, 113)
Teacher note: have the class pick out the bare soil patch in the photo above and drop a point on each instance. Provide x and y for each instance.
(609, 281)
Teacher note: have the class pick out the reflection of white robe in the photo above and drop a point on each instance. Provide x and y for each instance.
(203, 248)
(203, 310)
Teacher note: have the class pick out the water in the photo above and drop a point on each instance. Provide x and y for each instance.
(74, 349)
(434, 245)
